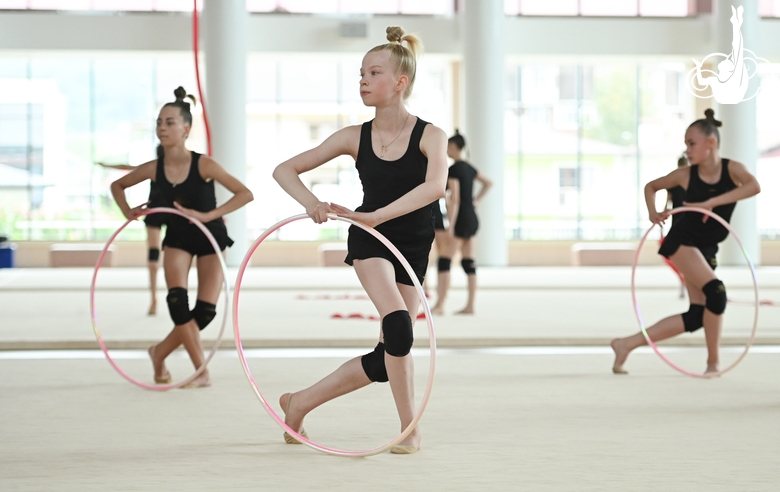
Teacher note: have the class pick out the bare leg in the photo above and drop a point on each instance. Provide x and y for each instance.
(712, 328)
(152, 242)
(666, 328)
(378, 278)
(442, 287)
(349, 377)
(467, 252)
(177, 265)
(449, 248)
(697, 273)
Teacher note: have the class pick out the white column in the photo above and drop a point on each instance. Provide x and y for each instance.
(483, 125)
(738, 133)
(224, 42)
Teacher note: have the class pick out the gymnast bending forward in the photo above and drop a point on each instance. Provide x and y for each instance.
(402, 163)
(711, 183)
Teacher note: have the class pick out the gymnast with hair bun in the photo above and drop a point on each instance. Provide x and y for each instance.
(402, 163)
(712, 183)
(185, 180)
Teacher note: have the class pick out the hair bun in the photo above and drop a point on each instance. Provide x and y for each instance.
(395, 34)
(709, 114)
(180, 93)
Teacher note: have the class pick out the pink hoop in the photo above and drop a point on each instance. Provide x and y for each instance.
(752, 337)
(160, 387)
(250, 377)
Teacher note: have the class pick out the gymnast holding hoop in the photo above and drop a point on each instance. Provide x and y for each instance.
(185, 180)
(402, 164)
(712, 183)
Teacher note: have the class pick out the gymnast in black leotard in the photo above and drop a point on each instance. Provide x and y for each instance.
(403, 168)
(461, 209)
(185, 180)
(712, 183)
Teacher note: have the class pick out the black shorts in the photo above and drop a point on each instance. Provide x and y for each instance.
(155, 220)
(677, 237)
(362, 245)
(191, 239)
(467, 225)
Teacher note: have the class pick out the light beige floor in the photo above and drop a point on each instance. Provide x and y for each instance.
(544, 418)
(495, 422)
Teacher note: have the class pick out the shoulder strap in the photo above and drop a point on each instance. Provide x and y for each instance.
(364, 147)
(194, 169)
(417, 132)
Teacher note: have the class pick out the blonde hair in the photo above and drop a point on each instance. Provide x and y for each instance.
(404, 57)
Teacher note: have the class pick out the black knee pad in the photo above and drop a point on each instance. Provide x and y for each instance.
(715, 292)
(693, 319)
(397, 329)
(203, 313)
(374, 364)
(154, 254)
(469, 266)
(179, 305)
(444, 264)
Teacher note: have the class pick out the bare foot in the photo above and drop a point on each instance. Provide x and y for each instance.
(153, 308)
(711, 368)
(161, 374)
(202, 381)
(410, 445)
(621, 354)
(437, 309)
(466, 310)
(292, 414)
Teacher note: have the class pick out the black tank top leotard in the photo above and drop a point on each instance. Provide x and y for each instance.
(689, 229)
(383, 183)
(197, 194)
(466, 224)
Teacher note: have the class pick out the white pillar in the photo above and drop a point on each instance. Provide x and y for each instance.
(224, 42)
(483, 64)
(738, 133)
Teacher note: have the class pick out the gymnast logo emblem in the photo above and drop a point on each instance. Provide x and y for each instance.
(730, 84)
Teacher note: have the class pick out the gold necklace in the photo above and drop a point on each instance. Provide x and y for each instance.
(384, 147)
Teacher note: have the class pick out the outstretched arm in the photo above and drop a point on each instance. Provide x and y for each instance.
(287, 174)
(121, 167)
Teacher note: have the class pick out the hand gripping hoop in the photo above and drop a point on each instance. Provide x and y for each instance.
(240, 348)
(161, 387)
(752, 337)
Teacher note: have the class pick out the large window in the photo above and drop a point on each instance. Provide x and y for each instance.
(60, 116)
(581, 139)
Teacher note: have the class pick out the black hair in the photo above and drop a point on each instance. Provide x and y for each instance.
(708, 125)
(458, 140)
(184, 106)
